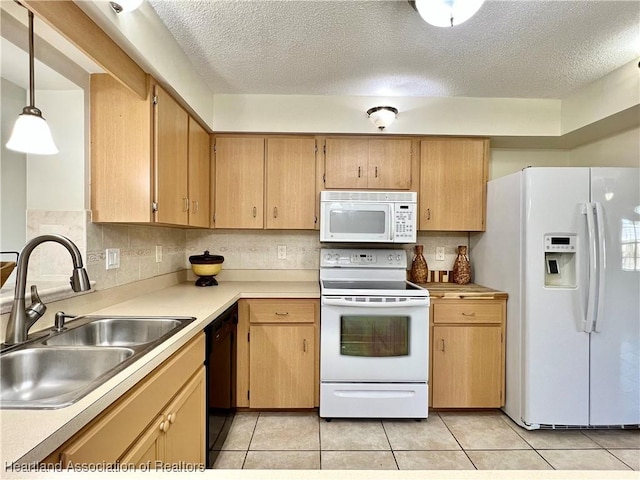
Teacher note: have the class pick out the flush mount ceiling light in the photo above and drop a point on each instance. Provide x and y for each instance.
(124, 6)
(446, 13)
(30, 133)
(382, 117)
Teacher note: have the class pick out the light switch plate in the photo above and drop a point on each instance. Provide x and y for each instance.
(112, 258)
(282, 252)
(439, 253)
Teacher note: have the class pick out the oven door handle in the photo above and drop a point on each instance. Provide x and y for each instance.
(340, 302)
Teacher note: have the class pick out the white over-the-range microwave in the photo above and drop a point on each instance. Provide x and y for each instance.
(368, 217)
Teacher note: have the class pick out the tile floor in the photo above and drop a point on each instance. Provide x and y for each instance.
(445, 441)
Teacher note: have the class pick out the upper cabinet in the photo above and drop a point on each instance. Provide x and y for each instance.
(290, 181)
(239, 193)
(171, 159)
(199, 174)
(265, 182)
(453, 178)
(368, 163)
(148, 158)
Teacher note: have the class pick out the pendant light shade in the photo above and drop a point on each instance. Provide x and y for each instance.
(31, 134)
(446, 13)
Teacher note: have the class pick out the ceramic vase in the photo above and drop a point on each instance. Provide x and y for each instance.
(462, 267)
(419, 268)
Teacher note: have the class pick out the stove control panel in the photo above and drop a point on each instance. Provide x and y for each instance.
(349, 257)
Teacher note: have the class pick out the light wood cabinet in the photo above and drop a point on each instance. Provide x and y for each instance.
(368, 163)
(145, 160)
(199, 175)
(239, 183)
(467, 353)
(278, 364)
(290, 183)
(171, 160)
(453, 178)
(172, 438)
(265, 182)
(162, 418)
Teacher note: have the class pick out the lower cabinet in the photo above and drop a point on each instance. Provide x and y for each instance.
(162, 419)
(278, 364)
(467, 353)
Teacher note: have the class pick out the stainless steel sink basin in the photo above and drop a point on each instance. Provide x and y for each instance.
(54, 376)
(116, 332)
(55, 369)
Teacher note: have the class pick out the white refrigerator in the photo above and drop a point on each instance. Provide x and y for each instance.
(564, 243)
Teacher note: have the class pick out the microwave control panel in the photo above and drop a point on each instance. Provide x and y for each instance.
(405, 222)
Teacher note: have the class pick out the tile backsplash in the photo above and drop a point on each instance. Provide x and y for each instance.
(242, 249)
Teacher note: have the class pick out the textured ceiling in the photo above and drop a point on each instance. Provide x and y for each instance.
(529, 49)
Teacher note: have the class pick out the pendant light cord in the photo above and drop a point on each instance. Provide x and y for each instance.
(32, 93)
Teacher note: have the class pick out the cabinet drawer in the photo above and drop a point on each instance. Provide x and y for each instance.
(282, 311)
(467, 312)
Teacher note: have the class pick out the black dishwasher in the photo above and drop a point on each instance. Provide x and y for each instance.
(221, 379)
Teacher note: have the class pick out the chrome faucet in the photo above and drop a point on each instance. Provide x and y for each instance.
(22, 317)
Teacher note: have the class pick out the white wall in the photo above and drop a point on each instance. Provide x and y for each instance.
(57, 182)
(620, 150)
(347, 114)
(611, 94)
(13, 173)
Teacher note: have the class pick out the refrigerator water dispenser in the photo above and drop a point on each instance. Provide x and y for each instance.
(560, 260)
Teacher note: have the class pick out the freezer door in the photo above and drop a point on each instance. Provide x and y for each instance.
(555, 347)
(615, 344)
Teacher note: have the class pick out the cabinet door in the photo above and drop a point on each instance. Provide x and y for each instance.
(453, 178)
(199, 171)
(291, 183)
(346, 162)
(149, 449)
(121, 153)
(281, 366)
(185, 432)
(389, 164)
(239, 163)
(171, 149)
(467, 366)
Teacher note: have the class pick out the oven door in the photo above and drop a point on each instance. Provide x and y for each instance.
(374, 339)
(356, 222)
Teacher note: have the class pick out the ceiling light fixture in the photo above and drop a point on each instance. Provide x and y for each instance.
(446, 13)
(30, 133)
(382, 117)
(124, 6)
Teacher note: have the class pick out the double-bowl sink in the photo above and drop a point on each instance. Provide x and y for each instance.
(57, 368)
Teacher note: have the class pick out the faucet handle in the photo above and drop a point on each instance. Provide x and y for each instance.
(37, 307)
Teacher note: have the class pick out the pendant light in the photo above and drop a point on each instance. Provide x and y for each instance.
(31, 134)
(446, 13)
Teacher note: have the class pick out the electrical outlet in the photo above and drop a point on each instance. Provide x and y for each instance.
(439, 253)
(282, 252)
(158, 253)
(112, 256)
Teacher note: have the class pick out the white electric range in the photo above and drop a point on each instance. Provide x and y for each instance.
(374, 336)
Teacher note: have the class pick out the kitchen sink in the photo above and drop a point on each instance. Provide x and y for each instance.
(54, 376)
(57, 368)
(119, 332)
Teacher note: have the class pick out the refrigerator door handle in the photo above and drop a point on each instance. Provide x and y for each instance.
(597, 321)
(593, 268)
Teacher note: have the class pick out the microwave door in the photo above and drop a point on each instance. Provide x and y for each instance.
(357, 222)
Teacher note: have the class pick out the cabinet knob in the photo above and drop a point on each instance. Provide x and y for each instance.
(442, 345)
(304, 345)
(255, 212)
(185, 204)
(428, 214)
(359, 171)
(171, 417)
(376, 172)
(275, 212)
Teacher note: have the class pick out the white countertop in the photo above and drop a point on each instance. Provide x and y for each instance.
(30, 435)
